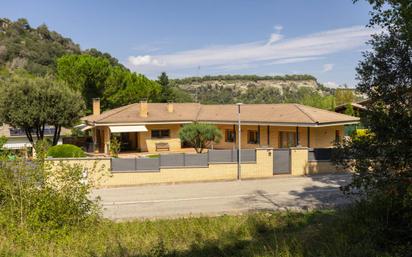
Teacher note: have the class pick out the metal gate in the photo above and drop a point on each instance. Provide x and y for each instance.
(281, 161)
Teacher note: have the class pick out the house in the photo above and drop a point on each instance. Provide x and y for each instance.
(146, 126)
(17, 139)
(358, 107)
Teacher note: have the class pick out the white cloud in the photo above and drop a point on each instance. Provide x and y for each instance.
(296, 49)
(144, 60)
(278, 28)
(328, 67)
(274, 37)
(331, 84)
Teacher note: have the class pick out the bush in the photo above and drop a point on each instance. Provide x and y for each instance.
(43, 198)
(200, 135)
(65, 150)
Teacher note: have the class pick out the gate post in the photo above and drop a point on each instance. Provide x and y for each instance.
(298, 161)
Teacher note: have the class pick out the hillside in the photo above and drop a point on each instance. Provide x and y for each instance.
(255, 89)
(32, 49)
(36, 49)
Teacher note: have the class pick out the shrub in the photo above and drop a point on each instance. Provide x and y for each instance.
(65, 150)
(114, 147)
(200, 135)
(40, 197)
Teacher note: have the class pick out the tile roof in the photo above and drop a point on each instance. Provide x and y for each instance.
(288, 114)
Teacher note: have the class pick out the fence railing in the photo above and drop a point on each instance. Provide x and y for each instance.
(320, 154)
(181, 160)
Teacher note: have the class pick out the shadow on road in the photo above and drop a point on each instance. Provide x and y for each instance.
(325, 193)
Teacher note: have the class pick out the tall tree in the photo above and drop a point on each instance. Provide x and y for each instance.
(382, 159)
(85, 73)
(33, 103)
(124, 87)
(163, 79)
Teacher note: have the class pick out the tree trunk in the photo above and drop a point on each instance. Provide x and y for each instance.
(29, 136)
(56, 136)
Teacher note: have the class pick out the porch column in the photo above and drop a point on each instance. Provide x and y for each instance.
(106, 140)
(234, 131)
(308, 136)
(94, 137)
(297, 136)
(268, 135)
(258, 135)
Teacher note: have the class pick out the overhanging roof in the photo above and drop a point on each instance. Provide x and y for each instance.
(286, 114)
(120, 129)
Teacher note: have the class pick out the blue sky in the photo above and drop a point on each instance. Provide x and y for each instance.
(188, 37)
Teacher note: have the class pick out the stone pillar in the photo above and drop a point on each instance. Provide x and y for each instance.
(264, 161)
(299, 161)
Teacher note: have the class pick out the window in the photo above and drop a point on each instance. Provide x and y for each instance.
(230, 135)
(337, 136)
(160, 133)
(252, 137)
(20, 132)
(287, 139)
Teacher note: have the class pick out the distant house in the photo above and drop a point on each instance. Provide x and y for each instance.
(145, 127)
(16, 137)
(358, 107)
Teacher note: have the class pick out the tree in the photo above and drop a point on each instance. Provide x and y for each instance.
(349, 110)
(344, 96)
(200, 135)
(85, 73)
(124, 87)
(99, 77)
(163, 79)
(33, 103)
(382, 159)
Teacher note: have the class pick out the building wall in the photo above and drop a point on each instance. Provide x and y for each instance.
(323, 137)
(320, 137)
(148, 144)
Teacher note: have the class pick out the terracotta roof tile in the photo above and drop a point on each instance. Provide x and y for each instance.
(225, 113)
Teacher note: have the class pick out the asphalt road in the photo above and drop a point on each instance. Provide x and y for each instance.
(213, 198)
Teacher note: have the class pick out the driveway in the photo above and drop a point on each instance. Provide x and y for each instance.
(213, 198)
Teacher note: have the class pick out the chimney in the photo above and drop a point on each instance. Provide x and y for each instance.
(170, 107)
(96, 106)
(143, 109)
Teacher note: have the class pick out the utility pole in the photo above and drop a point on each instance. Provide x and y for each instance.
(239, 155)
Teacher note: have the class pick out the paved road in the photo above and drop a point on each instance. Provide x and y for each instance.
(211, 198)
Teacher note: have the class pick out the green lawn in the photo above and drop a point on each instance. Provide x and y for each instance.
(321, 233)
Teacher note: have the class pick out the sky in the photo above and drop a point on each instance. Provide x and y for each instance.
(324, 38)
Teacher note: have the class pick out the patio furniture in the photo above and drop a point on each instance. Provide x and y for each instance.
(162, 146)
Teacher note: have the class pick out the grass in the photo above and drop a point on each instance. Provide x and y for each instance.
(319, 233)
(153, 156)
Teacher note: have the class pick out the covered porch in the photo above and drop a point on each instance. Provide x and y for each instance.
(141, 140)
(254, 136)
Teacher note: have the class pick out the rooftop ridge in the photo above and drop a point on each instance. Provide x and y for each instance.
(307, 114)
(120, 109)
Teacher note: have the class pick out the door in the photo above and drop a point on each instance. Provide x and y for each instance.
(281, 161)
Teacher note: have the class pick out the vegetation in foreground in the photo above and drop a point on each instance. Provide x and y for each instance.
(321, 233)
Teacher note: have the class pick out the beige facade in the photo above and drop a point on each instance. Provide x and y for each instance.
(267, 136)
(99, 170)
(319, 137)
